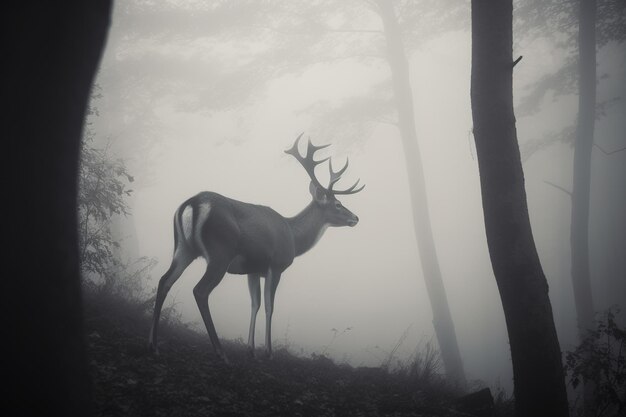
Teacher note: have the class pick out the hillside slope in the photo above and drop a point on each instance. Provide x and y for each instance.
(186, 379)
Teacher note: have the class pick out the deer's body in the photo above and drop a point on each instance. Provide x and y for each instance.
(255, 237)
(242, 238)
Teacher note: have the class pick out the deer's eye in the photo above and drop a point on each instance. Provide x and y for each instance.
(337, 204)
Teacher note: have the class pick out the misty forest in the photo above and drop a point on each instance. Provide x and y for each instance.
(322, 208)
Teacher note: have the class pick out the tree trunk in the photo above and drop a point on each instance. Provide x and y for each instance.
(579, 235)
(52, 52)
(539, 384)
(442, 319)
(582, 166)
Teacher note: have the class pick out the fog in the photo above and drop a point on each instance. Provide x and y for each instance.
(190, 108)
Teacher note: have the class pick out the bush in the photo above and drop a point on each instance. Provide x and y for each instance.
(103, 188)
(103, 191)
(600, 359)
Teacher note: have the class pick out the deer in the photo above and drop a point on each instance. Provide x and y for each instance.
(248, 239)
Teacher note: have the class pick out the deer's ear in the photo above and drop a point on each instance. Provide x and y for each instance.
(317, 193)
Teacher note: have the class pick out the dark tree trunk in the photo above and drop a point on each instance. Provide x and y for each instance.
(579, 235)
(442, 319)
(539, 383)
(52, 51)
(582, 165)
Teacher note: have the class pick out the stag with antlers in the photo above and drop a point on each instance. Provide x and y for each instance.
(243, 238)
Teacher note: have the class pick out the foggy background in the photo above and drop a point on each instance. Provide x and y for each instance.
(196, 97)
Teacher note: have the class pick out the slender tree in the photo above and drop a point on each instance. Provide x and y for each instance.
(582, 165)
(539, 384)
(442, 319)
(51, 52)
(585, 27)
(581, 184)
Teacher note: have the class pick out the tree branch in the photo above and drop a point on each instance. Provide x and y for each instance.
(469, 141)
(325, 30)
(610, 152)
(347, 57)
(387, 121)
(283, 31)
(558, 187)
(356, 31)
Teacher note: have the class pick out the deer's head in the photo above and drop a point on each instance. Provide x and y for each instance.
(335, 214)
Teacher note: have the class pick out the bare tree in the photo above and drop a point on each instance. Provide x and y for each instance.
(586, 26)
(538, 372)
(579, 231)
(442, 319)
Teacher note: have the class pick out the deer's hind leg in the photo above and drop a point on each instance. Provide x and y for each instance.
(216, 269)
(179, 263)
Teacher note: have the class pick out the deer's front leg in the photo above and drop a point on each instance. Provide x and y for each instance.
(271, 282)
(254, 285)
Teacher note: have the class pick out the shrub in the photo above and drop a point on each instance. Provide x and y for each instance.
(600, 359)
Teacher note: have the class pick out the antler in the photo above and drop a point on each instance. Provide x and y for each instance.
(309, 164)
(336, 176)
(307, 161)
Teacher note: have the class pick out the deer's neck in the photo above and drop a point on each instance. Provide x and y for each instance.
(308, 226)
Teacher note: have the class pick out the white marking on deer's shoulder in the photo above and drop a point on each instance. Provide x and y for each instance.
(187, 217)
(204, 209)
